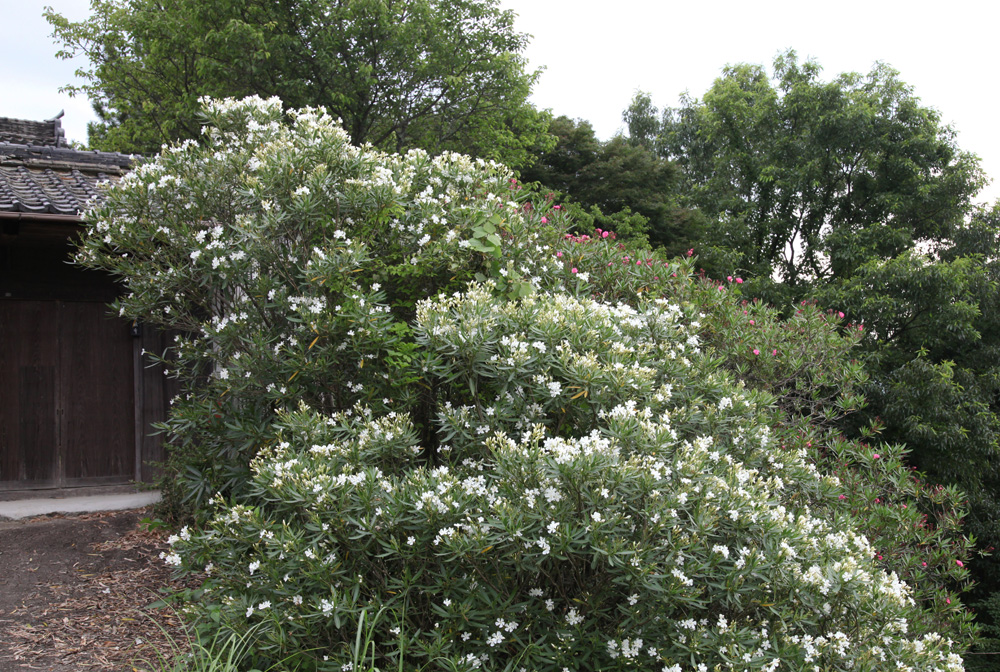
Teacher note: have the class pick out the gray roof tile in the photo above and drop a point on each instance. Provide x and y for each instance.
(40, 133)
(50, 178)
(57, 192)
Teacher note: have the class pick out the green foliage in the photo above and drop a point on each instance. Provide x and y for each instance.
(982, 661)
(944, 412)
(642, 119)
(618, 176)
(933, 352)
(588, 448)
(266, 249)
(625, 224)
(218, 651)
(441, 75)
(809, 180)
(910, 303)
(804, 364)
(852, 193)
(599, 483)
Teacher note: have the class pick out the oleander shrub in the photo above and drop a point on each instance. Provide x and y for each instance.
(290, 263)
(603, 497)
(425, 424)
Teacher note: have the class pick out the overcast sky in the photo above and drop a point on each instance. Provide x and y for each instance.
(596, 55)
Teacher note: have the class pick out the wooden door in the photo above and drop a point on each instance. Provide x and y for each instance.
(29, 357)
(66, 395)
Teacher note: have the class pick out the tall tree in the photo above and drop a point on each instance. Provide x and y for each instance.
(807, 180)
(853, 193)
(618, 177)
(642, 119)
(437, 74)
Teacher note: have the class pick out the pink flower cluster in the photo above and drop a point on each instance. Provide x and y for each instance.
(599, 234)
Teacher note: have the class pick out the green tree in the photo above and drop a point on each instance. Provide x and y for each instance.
(807, 180)
(616, 176)
(933, 348)
(642, 119)
(436, 74)
(576, 148)
(852, 193)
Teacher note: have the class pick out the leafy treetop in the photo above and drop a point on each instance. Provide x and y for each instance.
(436, 74)
(807, 180)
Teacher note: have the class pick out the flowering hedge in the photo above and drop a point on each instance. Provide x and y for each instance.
(585, 459)
(276, 252)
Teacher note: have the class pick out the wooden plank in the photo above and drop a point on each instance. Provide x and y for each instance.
(29, 429)
(96, 394)
(153, 408)
(158, 390)
(54, 315)
(37, 269)
(138, 420)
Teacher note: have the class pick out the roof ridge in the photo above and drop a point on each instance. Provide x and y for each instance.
(48, 133)
(41, 156)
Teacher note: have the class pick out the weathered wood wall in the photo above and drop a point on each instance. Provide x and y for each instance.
(76, 402)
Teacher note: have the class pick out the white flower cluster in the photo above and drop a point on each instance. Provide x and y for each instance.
(673, 510)
(561, 471)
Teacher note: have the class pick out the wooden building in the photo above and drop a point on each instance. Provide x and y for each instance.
(76, 403)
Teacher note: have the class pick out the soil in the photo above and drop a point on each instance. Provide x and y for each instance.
(77, 593)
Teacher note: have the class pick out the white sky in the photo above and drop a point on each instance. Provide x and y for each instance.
(597, 55)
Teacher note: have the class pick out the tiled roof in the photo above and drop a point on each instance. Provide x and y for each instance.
(62, 192)
(48, 133)
(50, 179)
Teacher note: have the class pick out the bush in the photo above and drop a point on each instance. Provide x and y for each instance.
(290, 262)
(603, 507)
(587, 459)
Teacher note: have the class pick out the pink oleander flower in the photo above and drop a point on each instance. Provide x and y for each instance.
(604, 235)
(691, 252)
(739, 281)
(574, 270)
(960, 563)
(558, 254)
(774, 352)
(756, 351)
(545, 220)
(840, 315)
(876, 456)
(557, 207)
(729, 278)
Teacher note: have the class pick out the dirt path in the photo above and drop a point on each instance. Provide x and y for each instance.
(75, 592)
